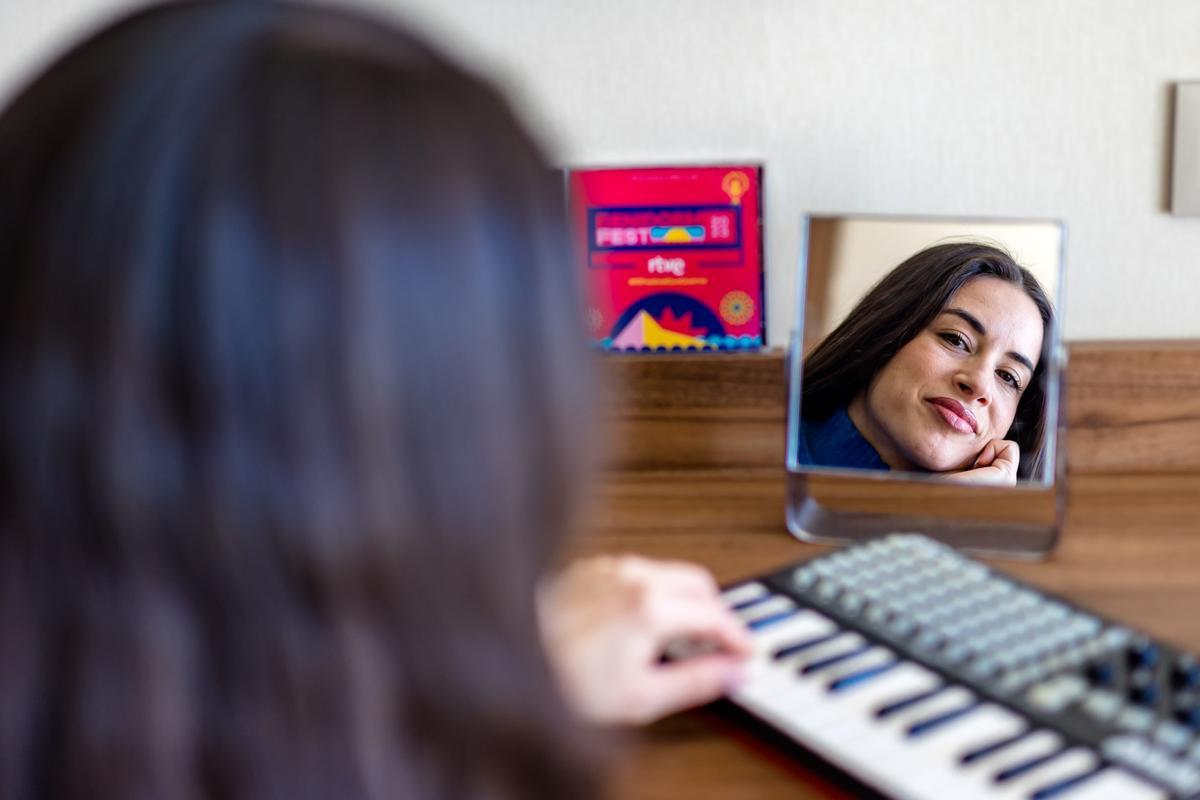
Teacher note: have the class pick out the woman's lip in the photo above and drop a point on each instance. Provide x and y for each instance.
(955, 414)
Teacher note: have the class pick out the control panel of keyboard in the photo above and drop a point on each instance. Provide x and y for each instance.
(929, 675)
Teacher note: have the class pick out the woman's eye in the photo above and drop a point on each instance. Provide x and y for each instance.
(954, 340)
(1009, 378)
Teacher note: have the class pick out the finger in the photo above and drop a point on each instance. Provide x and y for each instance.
(1010, 452)
(1007, 460)
(671, 616)
(987, 455)
(679, 575)
(686, 684)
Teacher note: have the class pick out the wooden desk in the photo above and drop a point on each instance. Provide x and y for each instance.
(1131, 548)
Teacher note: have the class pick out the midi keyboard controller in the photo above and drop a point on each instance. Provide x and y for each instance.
(926, 675)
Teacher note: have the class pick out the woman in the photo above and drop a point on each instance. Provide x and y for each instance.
(940, 368)
(292, 391)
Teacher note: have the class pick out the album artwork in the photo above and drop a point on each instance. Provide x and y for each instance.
(672, 256)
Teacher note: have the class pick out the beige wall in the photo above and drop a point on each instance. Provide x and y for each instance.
(1022, 108)
(854, 253)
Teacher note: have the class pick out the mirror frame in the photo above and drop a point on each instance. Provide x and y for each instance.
(828, 505)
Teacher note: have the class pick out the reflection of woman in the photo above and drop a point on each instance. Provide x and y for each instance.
(292, 391)
(939, 368)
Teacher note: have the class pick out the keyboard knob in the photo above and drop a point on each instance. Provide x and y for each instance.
(1141, 653)
(1185, 674)
(1142, 688)
(1189, 717)
(1102, 673)
(1144, 695)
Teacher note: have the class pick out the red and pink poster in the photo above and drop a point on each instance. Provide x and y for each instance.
(673, 256)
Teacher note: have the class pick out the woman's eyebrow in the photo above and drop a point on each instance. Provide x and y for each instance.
(1015, 356)
(970, 318)
(974, 322)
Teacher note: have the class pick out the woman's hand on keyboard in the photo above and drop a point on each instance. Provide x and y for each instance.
(607, 621)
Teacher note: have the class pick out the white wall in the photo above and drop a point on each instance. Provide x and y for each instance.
(1029, 108)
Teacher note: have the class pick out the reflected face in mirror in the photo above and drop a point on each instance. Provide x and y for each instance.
(938, 368)
(955, 387)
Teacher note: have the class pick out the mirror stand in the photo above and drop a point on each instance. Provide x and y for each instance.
(841, 510)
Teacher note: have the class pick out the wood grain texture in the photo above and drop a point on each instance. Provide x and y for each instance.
(694, 411)
(1131, 551)
(1132, 407)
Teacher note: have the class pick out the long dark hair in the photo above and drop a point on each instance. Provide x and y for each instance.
(900, 306)
(290, 390)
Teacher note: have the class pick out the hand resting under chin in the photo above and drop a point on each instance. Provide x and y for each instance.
(996, 465)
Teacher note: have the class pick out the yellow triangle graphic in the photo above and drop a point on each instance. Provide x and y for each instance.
(655, 335)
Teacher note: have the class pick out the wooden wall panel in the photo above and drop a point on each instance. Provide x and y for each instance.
(694, 411)
(1132, 407)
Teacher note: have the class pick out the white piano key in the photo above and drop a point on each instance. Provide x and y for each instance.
(976, 779)
(763, 693)
(891, 755)
(809, 711)
(1114, 784)
(942, 748)
(949, 699)
(801, 705)
(1067, 764)
(804, 624)
(880, 743)
(1037, 743)
(840, 645)
(744, 593)
(781, 683)
(766, 608)
(766, 675)
(868, 659)
(857, 704)
(905, 762)
(814, 694)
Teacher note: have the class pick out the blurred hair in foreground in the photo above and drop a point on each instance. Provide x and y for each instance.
(291, 388)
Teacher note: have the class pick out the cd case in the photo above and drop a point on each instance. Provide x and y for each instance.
(672, 256)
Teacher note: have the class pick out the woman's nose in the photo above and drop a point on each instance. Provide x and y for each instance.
(973, 386)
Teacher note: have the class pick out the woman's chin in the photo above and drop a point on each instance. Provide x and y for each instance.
(942, 462)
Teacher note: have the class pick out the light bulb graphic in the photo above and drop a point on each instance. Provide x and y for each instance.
(735, 184)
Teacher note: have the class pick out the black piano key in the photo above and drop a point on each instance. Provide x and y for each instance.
(1017, 770)
(1185, 674)
(862, 676)
(1058, 787)
(911, 700)
(1102, 673)
(753, 601)
(804, 644)
(924, 726)
(771, 619)
(824, 663)
(986, 750)
(1142, 653)
(1189, 717)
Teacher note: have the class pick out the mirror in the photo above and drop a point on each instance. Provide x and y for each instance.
(925, 382)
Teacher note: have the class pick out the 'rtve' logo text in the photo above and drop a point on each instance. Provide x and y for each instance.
(659, 265)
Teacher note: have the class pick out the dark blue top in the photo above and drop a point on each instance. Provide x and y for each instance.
(835, 442)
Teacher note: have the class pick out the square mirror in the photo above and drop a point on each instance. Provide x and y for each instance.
(925, 378)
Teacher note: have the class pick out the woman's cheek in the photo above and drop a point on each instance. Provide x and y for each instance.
(950, 456)
(1005, 420)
